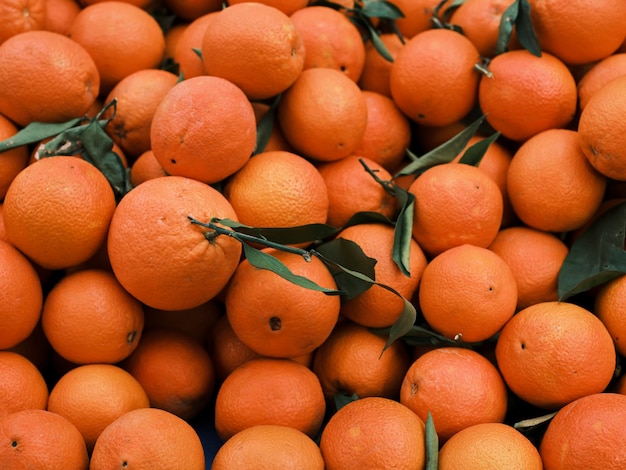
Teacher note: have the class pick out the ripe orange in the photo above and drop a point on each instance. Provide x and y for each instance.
(122, 38)
(255, 46)
(278, 189)
(388, 132)
(377, 307)
(138, 96)
(458, 386)
(535, 258)
(44, 205)
(418, 16)
(608, 306)
(190, 10)
(275, 317)
(204, 128)
(19, 16)
(22, 386)
(323, 115)
(601, 130)
(433, 80)
(489, 446)
(600, 74)
(373, 432)
(60, 14)
(351, 361)
(586, 434)
(62, 86)
(145, 167)
(269, 391)
(480, 22)
(22, 296)
(468, 292)
(88, 317)
(36, 438)
(575, 33)
(172, 36)
(551, 185)
(542, 91)
(552, 353)
(175, 370)
(352, 189)
(330, 40)
(189, 62)
(455, 204)
(283, 446)
(92, 396)
(147, 439)
(376, 68)
(153, 246)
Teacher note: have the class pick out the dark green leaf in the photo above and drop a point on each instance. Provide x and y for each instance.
(474, 154)
(381, 9)
(446, 152)
(403, 231)
(432, 445)
(378, 44)
(342, 399)
(507, 23)
(418, 335)
(367, 217)
(597, 256)
(262, 260)
(525, 30)
(404, 323)
(266, 126)
(36, 132)
(284, 236)
(197, 51)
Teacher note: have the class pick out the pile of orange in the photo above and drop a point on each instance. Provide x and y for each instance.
(271, 219)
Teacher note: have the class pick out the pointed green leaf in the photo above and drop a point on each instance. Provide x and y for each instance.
(266, 126)
(378, 43)
(382, 9)
(507, 23)
(342, 399)
(403, 231)
(284, 235)
(262, 260)
(525, 30)
(419, 335)
(432, 444)
(197, 51)
(474, 154)
(404, 323)
(36, 132)
(597, 256)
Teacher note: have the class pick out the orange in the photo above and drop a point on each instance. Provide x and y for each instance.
(608, 307)
(92, 396)
(269, 391)
(286, 6)
(283, 446)
(542, 91)
(489, 446)
(122, 38)
(22, 296)
(373, 432)
(600, 74)
(535, 258)
(275, 317)
(146, 439)
(278, 189)
(138, 96)
(351, 361)
(196, 321)
(388, 132)
(175, 371)
(575, 33)
(377, 307)
(153, 246)
(468, 292)
(601, 130)
(455, 204)
(60, 14)
(40, 439)
(88, 317)
(190, 10)
(45, 204)
(62, 86)
(352, 189)
(22, 385)
(185, 53)
(458, 386)
(417, 17)
(552, 353)
(376, 68)
(480, 20)
(204, 128)
(587, 434)
(323, 115)
(433, 80)
(172, 36)
(255, 46)
(145, 167)
(551, 185)
(19, 16)
(330, 40)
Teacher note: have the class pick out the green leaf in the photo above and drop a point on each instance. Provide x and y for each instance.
(285, 235)
(525, 30)
(342, 399)
(404, 323)
(597, 256)
(445, 153)
(474, 154)
(262, 260)
(420, 336)
(36, 132)
(505, 30)
(403, 231)
(378, 43)
(197, 51)
(381, 9)
(432, 445)
(266, 126)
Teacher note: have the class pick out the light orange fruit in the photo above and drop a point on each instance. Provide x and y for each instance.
(600, 74)
(145, 167)
(60, 14)
(190, 42)
(417, 17)
(22, 385)
(376, 68)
